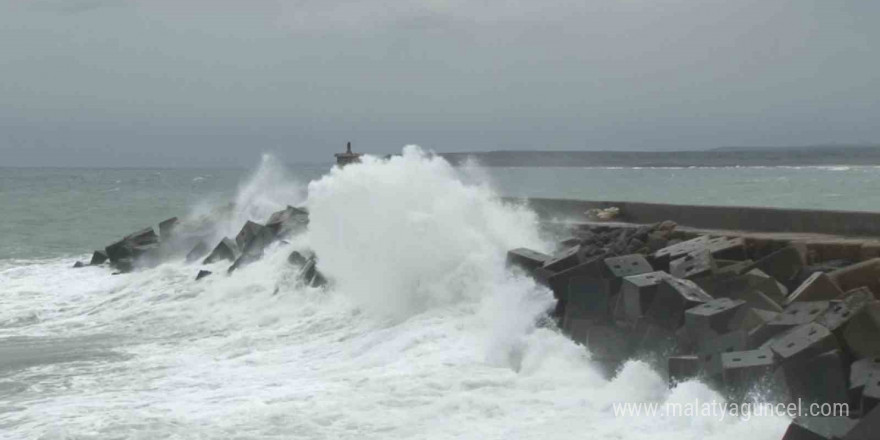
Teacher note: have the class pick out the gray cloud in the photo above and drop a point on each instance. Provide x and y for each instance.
(212, 83)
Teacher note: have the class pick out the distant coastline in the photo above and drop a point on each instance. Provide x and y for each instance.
(720, 157)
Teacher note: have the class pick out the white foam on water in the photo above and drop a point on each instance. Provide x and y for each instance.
(424, 334)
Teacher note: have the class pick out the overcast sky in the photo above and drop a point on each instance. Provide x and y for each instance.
(205, 83)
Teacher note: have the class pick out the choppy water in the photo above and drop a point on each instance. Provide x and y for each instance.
(424, 334)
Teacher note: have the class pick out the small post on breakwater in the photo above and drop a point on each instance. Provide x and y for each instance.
(343, 159)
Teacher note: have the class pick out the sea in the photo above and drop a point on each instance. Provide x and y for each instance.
(422, 333)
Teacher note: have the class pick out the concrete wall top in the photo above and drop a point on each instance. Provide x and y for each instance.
(845, 223)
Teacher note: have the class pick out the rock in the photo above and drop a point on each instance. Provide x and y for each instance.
(98, 257)
(526, 259)
(79, 264)
(225, 250)
(202, 274)
(166, 229)
(310, 276)
(866, 273)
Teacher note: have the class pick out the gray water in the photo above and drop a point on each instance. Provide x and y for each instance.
(61, 212)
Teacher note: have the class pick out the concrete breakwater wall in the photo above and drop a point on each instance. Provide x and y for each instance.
(792, 317)
(844, 223)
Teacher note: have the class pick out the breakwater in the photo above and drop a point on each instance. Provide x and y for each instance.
(781, 317)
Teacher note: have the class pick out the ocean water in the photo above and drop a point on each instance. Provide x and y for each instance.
(422, 334)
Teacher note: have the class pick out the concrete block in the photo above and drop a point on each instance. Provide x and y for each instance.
(637, 292)
(607, 342)
(79, 265)
(730, 268)
(526, 259)
(166, 229)
(683, 368)
(288, 221)
(800, 313)
(559, 281)
(247, 233)
(648, 339)
(869, 250)
(767, 285)
(862, 334)
(861, 373)
(743, 369)
(132, 245)
(870, 394)
(253, 250)
(672, 298)
(819, 428)
(817, 287)
(98, 257)
(564, 260)
(697, 264)
(784, 265)
(296, 258)
(225, 250)
(866, 273)
(711, 347)
(589, 297)
(627, 265)
(202, 274)
(803, 342)
(841, 312)
(829, 386)
(728, 248)
(678, 250)
(743, 288)
(712, 316)
(866, 428)
(834, 250)
(198, 251)
(755, 322)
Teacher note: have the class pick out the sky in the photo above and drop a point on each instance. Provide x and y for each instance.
(215, 83)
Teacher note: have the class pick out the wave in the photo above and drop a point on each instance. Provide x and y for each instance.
(423, 334)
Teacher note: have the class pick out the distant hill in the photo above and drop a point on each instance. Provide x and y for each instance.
(725, 156)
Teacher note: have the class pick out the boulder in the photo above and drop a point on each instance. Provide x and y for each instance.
(202, 274)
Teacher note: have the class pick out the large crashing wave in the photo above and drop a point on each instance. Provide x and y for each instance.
(423, 332)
